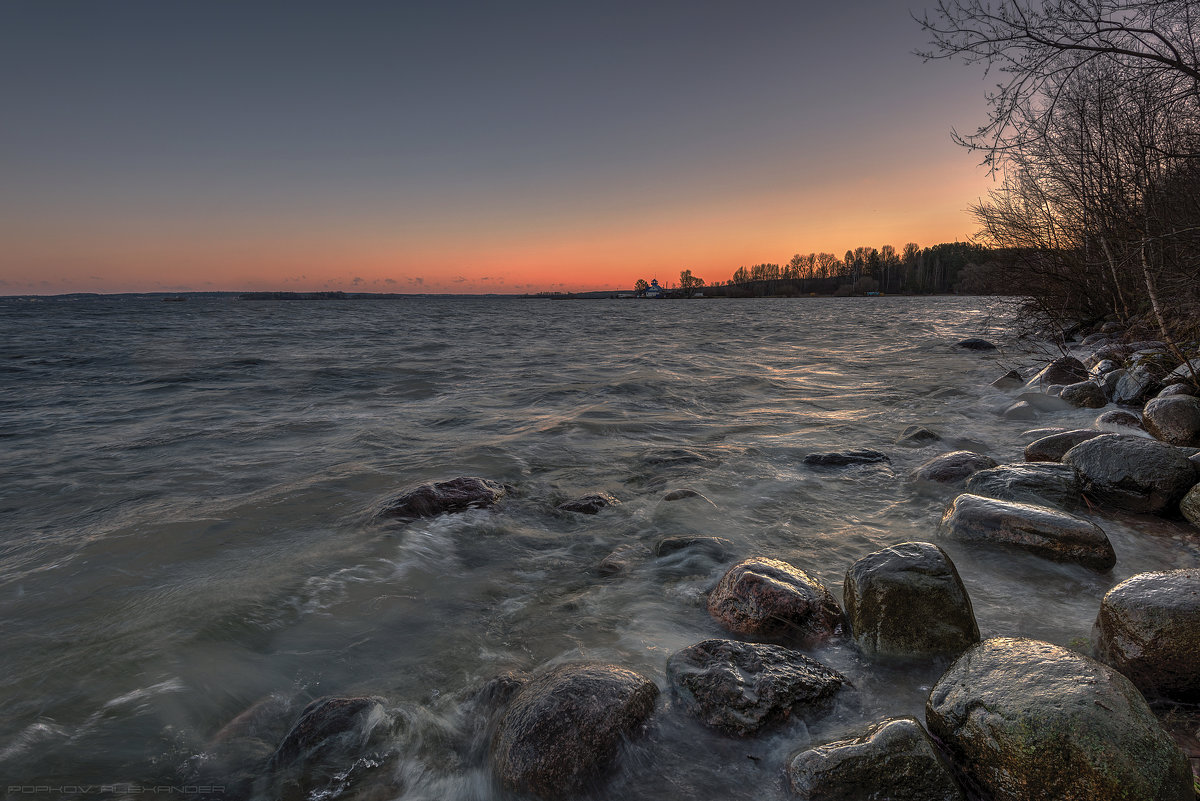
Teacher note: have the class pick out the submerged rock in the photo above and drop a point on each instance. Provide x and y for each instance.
(1132, 472)
(843, 458)
(953, 467)
(1117, 419)
(1030, 720)
(908, 601)
(1038, 529)
(716, 548)
(329, 737)
(589, 504)
(1021, 410)
(1055, 446)
(740, 688)
(1010, 380)
(562, 729)
(622, 559)
(917, 436)
(894, 760)
(1085, 394)
(1063, 370)
(1174, 419)
(682, 494)
(440, 497)
(974, 343)
(771, 599)
(1149, 629)
(1046, 483)
(1043, 401)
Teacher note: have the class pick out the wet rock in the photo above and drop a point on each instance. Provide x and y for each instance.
(622, 559)
(1038, 433)
(440, 497)
(672, 457)
(1178, 389)
(1085, 394)
(563, 728)
(1010, 380)
(681, 494)
(1132, 472)
(975, 343)
(1021, 410)
(894, 760)
(1046, 532)
(1120, 351)
(1030, 720)
(1112, 328)
(917, 436)
(953, 467)
(1110, 380)
(1189, 507)
(908, 601)
(1149, 630)
(234, 757)
(1098, 338)
(716, 548)
(589, 504)
(1104, 367)
(1054, 389)
(1174, 419)
(1043, 402)
(1045, 483)
(1183, 372)
(1063, 370)
(1053, 447)
(1118, 419)
(740, 687)
(329, 737)
(1133, 386)
(843, 458)
(771, 599)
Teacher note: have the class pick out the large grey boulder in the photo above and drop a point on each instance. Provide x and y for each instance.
(1045, 483)
(740, 687)
(562, 730)
(1118, 421)
(1178, 389)
(1184, 372)
(771, 599)
(440, 497)
(1148, 628)
(1055, 446)
(894, 760)
(1134, 385)
(1189, 507)
(1020, 410)
(1030, 721)
(1038, 529)
(1084, 394)
(908, 601)
(953, 467)
(1132, 472)
(1174, 419)
(1063, 370)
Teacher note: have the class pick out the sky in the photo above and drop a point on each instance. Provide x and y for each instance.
(466, 146)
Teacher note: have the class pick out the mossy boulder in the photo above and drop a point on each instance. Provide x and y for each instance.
(1030, 721)
(770, 599)
(908, 601)
(563, 729)
(894, 760)
(740, 687)
(1148, 628)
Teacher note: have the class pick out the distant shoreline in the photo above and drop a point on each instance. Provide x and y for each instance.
(259, 297)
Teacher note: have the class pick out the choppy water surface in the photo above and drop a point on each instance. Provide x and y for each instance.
(187, 495)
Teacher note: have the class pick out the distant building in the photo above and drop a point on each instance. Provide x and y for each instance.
(654, 290)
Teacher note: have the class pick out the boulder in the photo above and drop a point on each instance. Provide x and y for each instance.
(1120, 351)
(1174, 419)
(908, 601)
(1085, 394)
(440, 497)
(589, 504)
(771, 599)
(1112, 327)
(1183, 372)
(1010, 380)
(330, 736)
(1052, 448)
(1045, 431)
(1110, 380)
(1021, 410)
(1038, 482)
(1063, 370)
(1117, 420)
(716, 548)
(563, 729)
(740, 687)
(1044, 402)
(1149, 629)
(843, 458)
(682, 494)
(894, 760)
(1030, 721)
(953, 467)
(917, 436)
(1098, 338)
(1104, 367)
(1133, 386)
(975, 343)
(1178, 389)
(1054, 389)
(1189, 507)
(1132, 472)
(1038, 529)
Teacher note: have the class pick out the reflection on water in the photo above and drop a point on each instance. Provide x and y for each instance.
(188, 488)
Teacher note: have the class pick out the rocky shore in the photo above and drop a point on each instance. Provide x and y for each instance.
(1010, 718)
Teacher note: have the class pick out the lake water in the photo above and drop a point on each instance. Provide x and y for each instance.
(188, 492)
